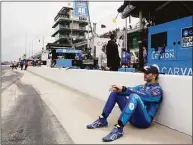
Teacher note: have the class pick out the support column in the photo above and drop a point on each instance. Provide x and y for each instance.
(141, 60)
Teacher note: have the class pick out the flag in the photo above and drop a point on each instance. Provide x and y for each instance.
(114, 20)
(103, 26)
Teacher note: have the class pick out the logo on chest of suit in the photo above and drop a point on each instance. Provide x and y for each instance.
(147, 88)
(144, 88)
(131, 106)
(155, 92)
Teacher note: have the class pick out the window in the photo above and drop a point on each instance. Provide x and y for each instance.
(132, 40)
(159, 40)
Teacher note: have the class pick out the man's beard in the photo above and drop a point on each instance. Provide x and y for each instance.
(148, 80)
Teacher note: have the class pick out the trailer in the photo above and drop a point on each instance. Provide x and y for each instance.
(170, 46)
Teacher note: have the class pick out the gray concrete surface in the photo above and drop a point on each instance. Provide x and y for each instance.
(26, 119)
(8, 77)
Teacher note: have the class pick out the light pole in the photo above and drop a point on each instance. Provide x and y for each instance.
(72, 24)
(43, 43)
(25, 42)
(29, 50)
(89, 24)
(141, 61)
(126, 33)
(39, 40)
(32, 47)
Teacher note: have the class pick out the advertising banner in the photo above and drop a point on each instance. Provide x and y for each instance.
(81, 8)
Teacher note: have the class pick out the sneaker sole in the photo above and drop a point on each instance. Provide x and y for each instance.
(98, 127)
(112, 140)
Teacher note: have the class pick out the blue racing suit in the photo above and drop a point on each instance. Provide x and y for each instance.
(126, 58)
(80, 57)
(139, 104)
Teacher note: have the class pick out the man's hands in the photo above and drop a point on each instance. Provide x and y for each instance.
(116, 88)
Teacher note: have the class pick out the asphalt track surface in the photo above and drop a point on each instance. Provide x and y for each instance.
(29, 121)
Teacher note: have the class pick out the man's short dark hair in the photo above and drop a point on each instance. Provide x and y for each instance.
(104, 47)
(123, 49)
(112, 36)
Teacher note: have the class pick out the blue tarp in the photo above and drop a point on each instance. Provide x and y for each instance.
(64, 62)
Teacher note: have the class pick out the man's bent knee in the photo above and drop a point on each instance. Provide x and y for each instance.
(113, 94)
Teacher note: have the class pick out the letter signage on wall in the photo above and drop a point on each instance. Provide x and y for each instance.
(170, 54)
(187, 37)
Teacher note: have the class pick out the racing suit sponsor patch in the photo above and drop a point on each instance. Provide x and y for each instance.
(155, 92)
(131, 106)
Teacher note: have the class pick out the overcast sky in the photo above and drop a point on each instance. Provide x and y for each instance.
(35, 20)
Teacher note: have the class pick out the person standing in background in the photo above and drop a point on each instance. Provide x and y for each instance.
(102, 60)
(21, 64)
(79, 56)
(14, 65)
(113, 59)
(26, 65)
(126, 58)
(145, 55)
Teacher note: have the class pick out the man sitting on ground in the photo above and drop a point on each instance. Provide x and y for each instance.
(138, 104)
